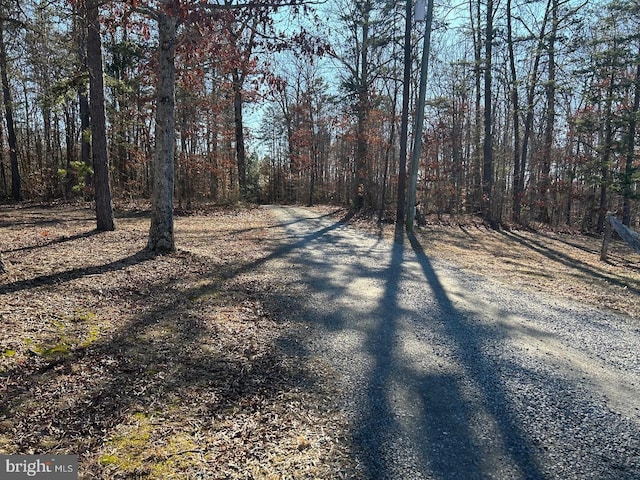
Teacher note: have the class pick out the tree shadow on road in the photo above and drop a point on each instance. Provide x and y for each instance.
(456, 450)
(437, 428)
(409, 422)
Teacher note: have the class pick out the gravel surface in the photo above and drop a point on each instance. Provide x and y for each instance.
(445, 375)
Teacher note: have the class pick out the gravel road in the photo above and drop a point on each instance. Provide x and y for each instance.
(447, 375)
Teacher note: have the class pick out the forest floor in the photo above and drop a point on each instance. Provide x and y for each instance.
(157, 367)
(184, 365)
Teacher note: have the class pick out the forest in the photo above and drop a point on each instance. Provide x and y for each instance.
(529, 117)
(288, 334)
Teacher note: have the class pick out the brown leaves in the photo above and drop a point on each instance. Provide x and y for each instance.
(156, 367)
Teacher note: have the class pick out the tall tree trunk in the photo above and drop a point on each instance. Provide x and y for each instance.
(241, 157)
(605, 158)
(417, 139)
(476, 168)
(404, 121)
(361, 166)
(529, 117)
(104, 207)
(161, 237)
(517, 192)
(3, 174)
(49, 164)
(387, 154)
(83, 100)
(69, 130)
(629, 168)
(16, 185)
(487, 167)
(313, 153)
(550, 90)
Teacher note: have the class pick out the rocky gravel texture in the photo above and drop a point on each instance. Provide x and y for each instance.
(449, 375)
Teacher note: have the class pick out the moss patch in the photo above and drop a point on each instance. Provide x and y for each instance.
(129, 448)
(142, 448)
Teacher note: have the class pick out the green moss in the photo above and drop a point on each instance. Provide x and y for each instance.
(137, 448)
(108, 460)
(60, 349)
(92, 336)
(8, 353)
(128, 451)
(178, 455)
(84, 316)
(58, 325)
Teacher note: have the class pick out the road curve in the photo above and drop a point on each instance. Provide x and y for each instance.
(448, 375)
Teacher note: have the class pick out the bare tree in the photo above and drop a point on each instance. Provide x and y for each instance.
(169, 16)
(104, 207)
(8, 110)
(161, 231)
(487, 169)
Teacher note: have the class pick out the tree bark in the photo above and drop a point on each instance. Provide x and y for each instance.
(16, 185)
(3, 173)
(487, 167)
(83, 102)
(521, 165)
(605, 158)
(476, 168)
(161, 237)
(417, 139)
(104, 207)
(404, 121)
(389, 148)
(515, 104)
(361, 163)
(630, 169)
(241, 158)
(3, 266)
(550, 90)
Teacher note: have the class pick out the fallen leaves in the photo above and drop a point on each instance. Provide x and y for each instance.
(157, 366)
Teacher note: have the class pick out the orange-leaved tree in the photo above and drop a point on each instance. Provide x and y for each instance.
(170, 15)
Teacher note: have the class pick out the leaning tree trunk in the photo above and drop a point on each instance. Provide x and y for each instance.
(104, 207)
(404, 121)
(161, 232)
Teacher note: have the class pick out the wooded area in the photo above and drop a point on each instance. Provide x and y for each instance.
(531, 106)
